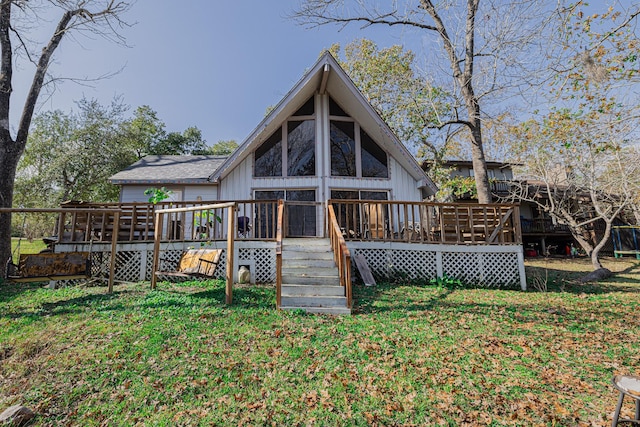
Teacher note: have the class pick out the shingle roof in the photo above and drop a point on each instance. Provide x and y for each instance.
(169, 170)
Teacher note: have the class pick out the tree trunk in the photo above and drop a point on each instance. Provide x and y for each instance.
(9, 156)
(595, 254)
(479, 163)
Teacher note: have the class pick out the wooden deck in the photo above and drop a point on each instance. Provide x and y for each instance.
(359, 220)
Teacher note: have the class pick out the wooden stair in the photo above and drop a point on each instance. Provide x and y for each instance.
(310, 278)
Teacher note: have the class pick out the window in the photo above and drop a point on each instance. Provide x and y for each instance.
(306, 110)
(268, 157)
(294, 141)
(343, 149)
(335, 110)
(374, 159)
(301, 217)
(359, 195)
(301, 154)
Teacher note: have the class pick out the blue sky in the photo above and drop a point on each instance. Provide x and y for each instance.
(213, 64)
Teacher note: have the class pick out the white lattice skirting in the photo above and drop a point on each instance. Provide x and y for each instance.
(134, 260)
(482, 265)
(486, 265)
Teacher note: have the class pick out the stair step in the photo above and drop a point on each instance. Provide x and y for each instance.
(289, 255)
(299, 263)
(321, 310)
(310, 290)
(303, 270)
(295, 279)
(313, 301)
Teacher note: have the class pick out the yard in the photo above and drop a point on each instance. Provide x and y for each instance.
(410, 355)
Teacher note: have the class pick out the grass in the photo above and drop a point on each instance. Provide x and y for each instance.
(410, 355)
(27, 246)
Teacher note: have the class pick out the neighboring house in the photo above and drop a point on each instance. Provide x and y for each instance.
(541, 234)
(322, 141)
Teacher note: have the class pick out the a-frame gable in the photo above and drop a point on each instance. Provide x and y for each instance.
(327, 76)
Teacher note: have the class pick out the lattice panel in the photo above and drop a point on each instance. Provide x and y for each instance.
(221, 268)
(100, 264)
(462, 265)
(378, 260)
(501, 269)
(128, 266)
(169, 260)
(265, 262)
(415, 264)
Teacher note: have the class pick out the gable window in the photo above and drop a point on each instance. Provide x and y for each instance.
(306, 110)
(268, 157)
(343, 149)
(374, 159)
(290, 150)
(301, 155)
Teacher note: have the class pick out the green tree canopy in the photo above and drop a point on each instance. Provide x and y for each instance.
(72, 155)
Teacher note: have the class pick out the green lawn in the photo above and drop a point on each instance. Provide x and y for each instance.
(26, 246)
(410, 355)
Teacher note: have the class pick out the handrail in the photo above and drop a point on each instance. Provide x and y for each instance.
(279, 236)
(341, 254)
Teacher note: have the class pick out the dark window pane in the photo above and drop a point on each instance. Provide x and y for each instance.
(307, 109)
(374, 159)
(269, 195)
(335, 110)
(343, 149)
(344, 194)
(374, 195)
(301, 154)
(301, 218)
(301, 195)
(266, 214)
(268, 157)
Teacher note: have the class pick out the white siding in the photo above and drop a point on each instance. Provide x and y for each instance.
(404, 186)
(135, 193)
(237, 185)
(205, 192)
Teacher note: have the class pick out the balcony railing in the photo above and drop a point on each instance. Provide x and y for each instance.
(464, 223)
(456, 223)
(255, 220)
(542, 226)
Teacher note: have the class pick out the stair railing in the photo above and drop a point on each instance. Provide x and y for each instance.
(341, 253)
(279, 236)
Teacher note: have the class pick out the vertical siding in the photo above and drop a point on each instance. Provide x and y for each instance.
(133, 193)
(205, 192)
(405, 187)
(237, 185)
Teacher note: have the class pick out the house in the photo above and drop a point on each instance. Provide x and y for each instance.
(322, 141)
(321, 179)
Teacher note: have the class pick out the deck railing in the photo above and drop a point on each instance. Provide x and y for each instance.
(255, 220)
(341, 253)
(542, 225)
(456, 223)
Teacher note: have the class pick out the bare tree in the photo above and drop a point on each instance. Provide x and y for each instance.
(487, 45)
(101, 17)
(578, 168)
